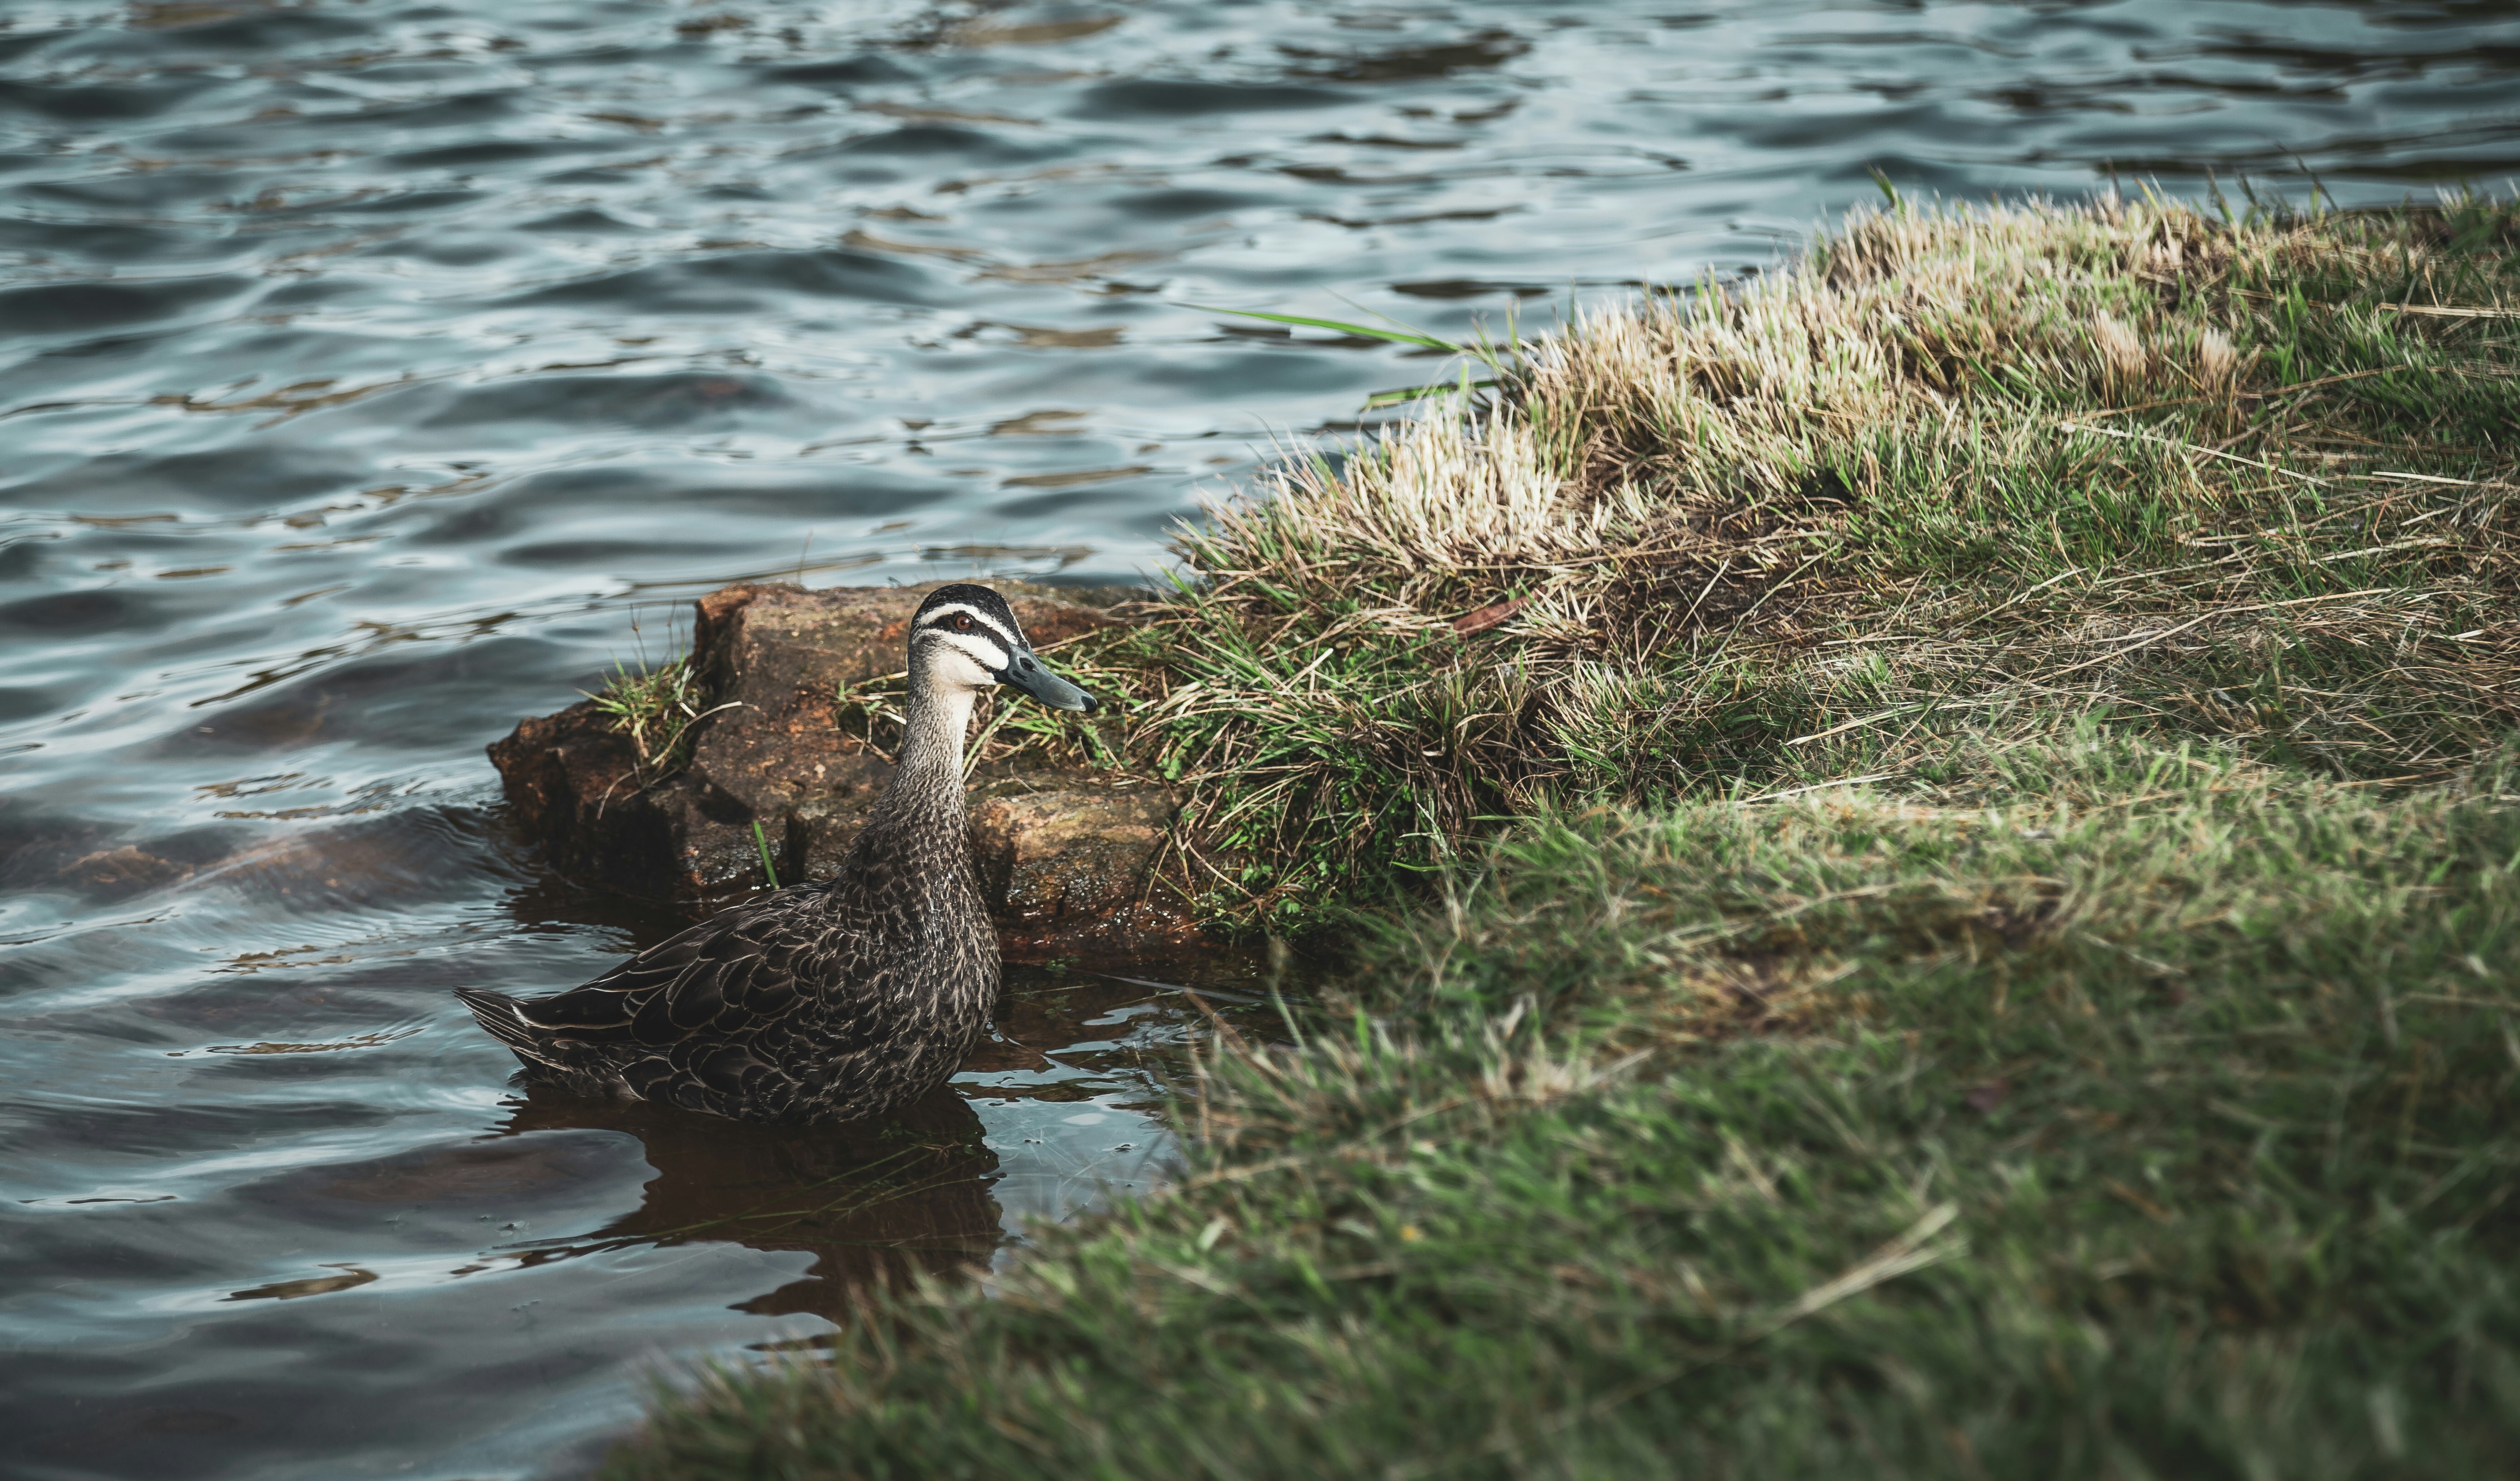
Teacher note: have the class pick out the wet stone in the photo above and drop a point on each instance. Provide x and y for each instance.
(1066, 857)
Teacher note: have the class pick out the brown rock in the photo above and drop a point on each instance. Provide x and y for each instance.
(574, 784)
(1068, 861)
(1068, 857)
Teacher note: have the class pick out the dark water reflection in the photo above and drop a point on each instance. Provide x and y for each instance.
(368, 368)
(873, 1205)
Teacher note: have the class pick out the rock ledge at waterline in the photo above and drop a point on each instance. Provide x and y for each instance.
(1066, 856)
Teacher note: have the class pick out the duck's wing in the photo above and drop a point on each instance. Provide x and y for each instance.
(693, 1019)
(738, 967)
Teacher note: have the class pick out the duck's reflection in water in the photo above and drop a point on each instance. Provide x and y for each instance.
(874, 1203)
(1068, 1087)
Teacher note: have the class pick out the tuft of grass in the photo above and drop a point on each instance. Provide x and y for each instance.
(1956, 472)
(656, 708)
(2113, 1109)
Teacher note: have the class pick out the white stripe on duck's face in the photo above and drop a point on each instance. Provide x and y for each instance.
(973, 648)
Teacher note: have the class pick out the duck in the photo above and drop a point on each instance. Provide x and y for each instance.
(835, 1000)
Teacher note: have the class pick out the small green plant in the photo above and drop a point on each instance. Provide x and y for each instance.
(656, 709)
(1501, 357)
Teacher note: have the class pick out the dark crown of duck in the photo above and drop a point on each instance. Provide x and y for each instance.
(828, 1000)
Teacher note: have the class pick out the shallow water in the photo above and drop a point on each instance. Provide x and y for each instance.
(372, 373)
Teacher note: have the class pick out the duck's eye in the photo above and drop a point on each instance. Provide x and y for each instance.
(961, 622)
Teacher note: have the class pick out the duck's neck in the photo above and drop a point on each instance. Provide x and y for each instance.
(928, 781)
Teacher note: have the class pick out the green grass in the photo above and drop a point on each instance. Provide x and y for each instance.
(2123, 1111)
(1925, 855)
(656, 708)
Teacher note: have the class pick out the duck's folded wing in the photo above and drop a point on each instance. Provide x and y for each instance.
(726, 978)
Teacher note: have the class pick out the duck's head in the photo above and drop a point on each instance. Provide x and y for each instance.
(965, 636)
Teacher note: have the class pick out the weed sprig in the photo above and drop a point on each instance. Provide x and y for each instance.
(655, 709)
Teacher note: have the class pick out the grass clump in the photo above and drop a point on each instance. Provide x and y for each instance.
(2127, 1110)
(656, 708)
(1954, 471)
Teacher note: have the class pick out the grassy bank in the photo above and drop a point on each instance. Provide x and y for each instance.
(1977, 473)
(2155, 1113)
(1962, 825)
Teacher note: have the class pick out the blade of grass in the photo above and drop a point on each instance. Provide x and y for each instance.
(761, 842)
(1338, 326)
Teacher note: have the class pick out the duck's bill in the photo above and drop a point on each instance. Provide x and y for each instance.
(1034, 678)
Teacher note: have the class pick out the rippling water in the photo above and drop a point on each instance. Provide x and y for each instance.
(369, 370)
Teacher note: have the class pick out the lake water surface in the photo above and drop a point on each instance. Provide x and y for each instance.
(372, 373)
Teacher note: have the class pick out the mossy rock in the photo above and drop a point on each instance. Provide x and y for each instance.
(1066, 855)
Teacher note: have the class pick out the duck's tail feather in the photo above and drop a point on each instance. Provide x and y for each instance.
(505, 1019)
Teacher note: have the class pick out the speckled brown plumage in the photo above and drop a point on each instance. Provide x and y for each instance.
(829, 1001)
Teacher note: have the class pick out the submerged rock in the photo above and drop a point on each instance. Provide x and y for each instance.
(1068, 857)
